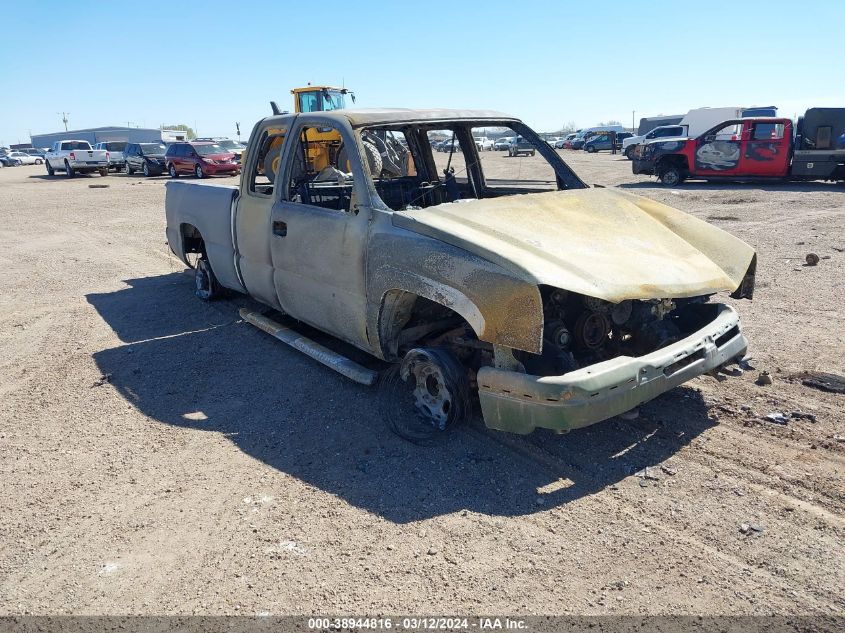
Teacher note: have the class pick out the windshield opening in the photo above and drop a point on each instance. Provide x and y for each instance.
(207, 150)
(230, 144)
(425, 164)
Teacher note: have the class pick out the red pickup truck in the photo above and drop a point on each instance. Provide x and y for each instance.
(755, 148)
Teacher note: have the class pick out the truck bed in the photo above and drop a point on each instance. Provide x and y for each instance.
(208, 208)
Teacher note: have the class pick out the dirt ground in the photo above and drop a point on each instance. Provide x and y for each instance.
(159, 456)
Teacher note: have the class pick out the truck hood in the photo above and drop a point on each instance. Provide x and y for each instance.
(596, 242)
(664, 139)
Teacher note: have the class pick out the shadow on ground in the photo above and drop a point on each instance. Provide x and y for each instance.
(198, 366)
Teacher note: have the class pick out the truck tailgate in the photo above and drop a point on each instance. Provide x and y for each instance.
(88, 156)
(209, 209)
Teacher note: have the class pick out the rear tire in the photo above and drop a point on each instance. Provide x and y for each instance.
(104, 171)
(207, 286)
(69, 173)
(38, 161)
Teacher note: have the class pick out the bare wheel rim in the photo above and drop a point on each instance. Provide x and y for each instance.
(203, 279)
(432, 398)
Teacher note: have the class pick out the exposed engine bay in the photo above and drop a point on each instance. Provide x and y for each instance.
(580, 330)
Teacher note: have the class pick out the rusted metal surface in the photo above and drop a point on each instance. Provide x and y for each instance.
(500, 307)
(476, 276)
(519, 403)
(321, 354)
(596, 242)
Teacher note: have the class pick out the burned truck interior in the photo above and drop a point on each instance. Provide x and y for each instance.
(412, 165)
(429, 164)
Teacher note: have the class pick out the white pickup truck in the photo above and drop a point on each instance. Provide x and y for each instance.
(76, 157)
(116, 149)
(482, 143)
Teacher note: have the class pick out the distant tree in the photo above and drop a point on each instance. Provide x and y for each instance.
(189, 131)
(610, 122)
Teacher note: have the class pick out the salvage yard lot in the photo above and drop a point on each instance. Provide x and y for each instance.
(158, 455)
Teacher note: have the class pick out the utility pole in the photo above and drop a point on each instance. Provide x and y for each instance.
(633, 118)
(64, 118)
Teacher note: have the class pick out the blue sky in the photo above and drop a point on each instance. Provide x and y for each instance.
(211, 63)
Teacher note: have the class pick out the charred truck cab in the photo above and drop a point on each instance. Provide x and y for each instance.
(555, 305)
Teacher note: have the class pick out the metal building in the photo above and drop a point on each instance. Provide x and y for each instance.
(100, 134)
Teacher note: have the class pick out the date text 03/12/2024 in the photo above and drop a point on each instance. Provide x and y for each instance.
(419, 623)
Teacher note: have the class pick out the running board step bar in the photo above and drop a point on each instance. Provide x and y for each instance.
(333, 360)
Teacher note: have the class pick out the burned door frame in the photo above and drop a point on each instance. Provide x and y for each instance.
(319, 254)
(251, 224)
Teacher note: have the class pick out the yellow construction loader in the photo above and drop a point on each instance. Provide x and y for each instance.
(322, 146)
(385, 155)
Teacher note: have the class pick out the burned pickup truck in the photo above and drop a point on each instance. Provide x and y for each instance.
(559, 305)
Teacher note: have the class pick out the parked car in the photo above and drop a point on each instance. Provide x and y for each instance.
(605, 140)
(482, 143)
(502, 144)
(8, 161)
(76, 157)
(629, 145)
(521, 146)
(450, 145)
(116, 149)
(606, 301)
(148, 158)
(562, 143)
(552, 140)
(226, 143)
(34, 151)
(25, 159)
(200, 159)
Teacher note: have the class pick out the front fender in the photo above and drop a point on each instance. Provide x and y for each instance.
(501, 309)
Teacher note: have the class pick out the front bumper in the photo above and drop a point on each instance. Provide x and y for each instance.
(519, 403)
(88, 164)
(156, 168)
(642, 166)
(225, 168)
